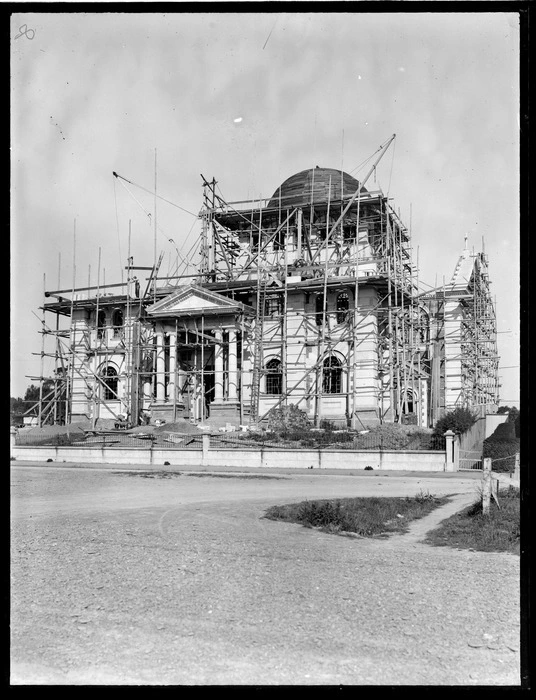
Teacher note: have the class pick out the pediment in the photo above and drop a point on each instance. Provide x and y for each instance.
(193, 300)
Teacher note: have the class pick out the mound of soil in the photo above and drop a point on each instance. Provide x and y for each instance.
(147, 429)
(180, 426)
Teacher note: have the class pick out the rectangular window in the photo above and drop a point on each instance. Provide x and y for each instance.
(273, 306)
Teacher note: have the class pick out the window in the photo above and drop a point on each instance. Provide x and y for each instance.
(319, 309)
(342, 307)
(408, 406)
(117, 322)
(274, 377)
(109, 377)
(273, 306)
(349, 232)
(101, 323)
(332, 376)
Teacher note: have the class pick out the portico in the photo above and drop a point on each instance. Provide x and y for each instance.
(196, 340)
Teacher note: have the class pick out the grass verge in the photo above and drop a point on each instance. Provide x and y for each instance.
(367, 517)
(471, 529)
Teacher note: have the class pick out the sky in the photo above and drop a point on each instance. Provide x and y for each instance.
(251, 99)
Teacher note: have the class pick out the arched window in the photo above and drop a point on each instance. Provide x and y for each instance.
(117, 322)
(101, 323)
(109, 377)
(343, 304)
(319, 309)
(274, 377)
(332, 376)
(408, 405)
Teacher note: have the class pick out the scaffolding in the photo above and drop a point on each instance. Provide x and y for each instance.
(263, 251)
(465, 358)
(324, 301)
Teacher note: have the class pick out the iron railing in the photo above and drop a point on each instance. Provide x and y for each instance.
(243, 441)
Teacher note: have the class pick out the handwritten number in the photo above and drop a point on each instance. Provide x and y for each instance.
(24, 31)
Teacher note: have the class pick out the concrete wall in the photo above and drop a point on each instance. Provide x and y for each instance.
(474, 438)
(263, 458)
(492, 421)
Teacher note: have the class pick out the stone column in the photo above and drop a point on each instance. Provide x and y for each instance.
(172, 366)
(218, 366)
(147, 391)
(160, 367)
(233, 375)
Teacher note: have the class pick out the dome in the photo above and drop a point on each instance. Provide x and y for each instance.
(314, 185)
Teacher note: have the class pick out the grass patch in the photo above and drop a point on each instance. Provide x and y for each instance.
(367, 517)
(470, 529)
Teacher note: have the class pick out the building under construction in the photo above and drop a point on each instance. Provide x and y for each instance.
(309, 297)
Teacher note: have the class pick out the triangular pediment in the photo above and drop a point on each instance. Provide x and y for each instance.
(192, 300)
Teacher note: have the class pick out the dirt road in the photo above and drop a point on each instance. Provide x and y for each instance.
(122, 579)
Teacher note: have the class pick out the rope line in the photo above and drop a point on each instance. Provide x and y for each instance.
(154, 194)
(499, 459)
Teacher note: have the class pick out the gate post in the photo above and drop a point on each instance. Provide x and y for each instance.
(206, 446)
(12, 438)
(451, 452)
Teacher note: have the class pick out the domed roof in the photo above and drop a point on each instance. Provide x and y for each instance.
(314, 185)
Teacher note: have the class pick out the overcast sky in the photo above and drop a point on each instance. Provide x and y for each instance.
(251, 99)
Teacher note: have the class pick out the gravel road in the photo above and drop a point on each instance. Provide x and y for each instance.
(120, 579)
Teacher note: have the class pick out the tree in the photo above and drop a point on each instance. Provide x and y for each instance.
(19, 407)
(460, 420)
(503, 409)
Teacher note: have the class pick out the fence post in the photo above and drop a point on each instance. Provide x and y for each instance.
(516, 467)
(450, 465)
(206, 447)
(486, 485)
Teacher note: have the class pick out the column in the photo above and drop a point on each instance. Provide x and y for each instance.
(147, 391)
(172, 366)
(160, 368)
(218, 366)
(233, 375)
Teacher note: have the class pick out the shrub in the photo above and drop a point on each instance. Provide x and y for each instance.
(460, 420)
(503, 449)
(513, 415)
(504, 431)
(389, 436)
(292, 435)
(287, 419)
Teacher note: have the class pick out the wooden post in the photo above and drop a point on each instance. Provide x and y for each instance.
(516, 467)
(486, 485)
(495, 490)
